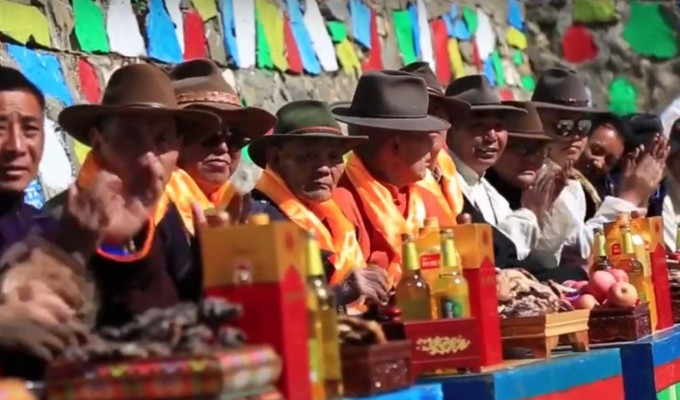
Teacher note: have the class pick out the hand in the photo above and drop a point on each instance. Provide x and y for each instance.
(126, 214)
(369, 282)
(539, 197)
(561, 180)
(211, 218)
(48, 306)
(26, 329)
(463, 218)
(643, 171)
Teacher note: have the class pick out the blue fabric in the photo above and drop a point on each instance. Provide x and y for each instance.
(160, 32)
(413, 12)
(361, 22)
(43, 70)
(229, 30)
(310, 62)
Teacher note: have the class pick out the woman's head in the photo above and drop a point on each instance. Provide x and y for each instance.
(605, 146)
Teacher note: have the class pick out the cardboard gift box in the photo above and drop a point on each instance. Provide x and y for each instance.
(262, 268)
(190, 376)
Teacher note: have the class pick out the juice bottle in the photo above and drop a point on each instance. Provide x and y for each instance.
(412, 294)
(429, 250)
(451, 293)
(601, 261)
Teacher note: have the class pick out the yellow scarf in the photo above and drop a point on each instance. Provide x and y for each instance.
(341, 239)
(450, 187)
(383, 214)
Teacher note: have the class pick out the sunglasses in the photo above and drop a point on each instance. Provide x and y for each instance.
(573, 127)
(523, 150)
(233, 140)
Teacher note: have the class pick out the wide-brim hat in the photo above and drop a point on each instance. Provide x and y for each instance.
(137, 89)
(389, 101)
(475, 90)
(456, 108)
(199, 84)
(561, 89)
(527, 126)
(304, 119)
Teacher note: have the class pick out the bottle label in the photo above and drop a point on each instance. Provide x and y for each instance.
(449, 308)
(314, 361)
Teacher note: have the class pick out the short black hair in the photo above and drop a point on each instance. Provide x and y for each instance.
(12, 80)
(614, 123)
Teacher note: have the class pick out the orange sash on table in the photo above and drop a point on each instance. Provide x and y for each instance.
(383, 214)
(340, 236)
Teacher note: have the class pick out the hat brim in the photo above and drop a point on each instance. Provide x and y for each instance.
(505, 112)
(250, 122)
(530, 135)
(258, 149)
(560, 107)
(456, 108)
(343, 113)
(78, 120)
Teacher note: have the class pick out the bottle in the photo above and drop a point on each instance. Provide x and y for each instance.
(451, 293)
(601, 261)
(428, 245)
(412, 294)
(324, 346)
(635, 267)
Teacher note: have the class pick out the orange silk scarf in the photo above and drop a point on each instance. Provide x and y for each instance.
(447, 193)
(383, 214)
(340, 236)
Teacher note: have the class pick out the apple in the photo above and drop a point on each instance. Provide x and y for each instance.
(585, 302)
(600, 282)
(622, 294)
(619, 274)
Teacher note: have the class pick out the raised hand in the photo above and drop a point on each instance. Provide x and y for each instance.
(539, 197)
(370, 283)
(643, 171)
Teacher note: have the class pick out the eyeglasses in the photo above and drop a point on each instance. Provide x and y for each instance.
(233, 140)
(524, 150)
(570, 127)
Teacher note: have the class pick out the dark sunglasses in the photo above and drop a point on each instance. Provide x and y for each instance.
(521, 149)
(233, 140)
(570, 127)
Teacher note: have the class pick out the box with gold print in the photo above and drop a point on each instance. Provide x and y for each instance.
(262, 268)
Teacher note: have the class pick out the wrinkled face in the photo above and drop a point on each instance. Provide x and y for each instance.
(521, 160)
(310, 168)
(126, 143)
(412, 153)
(480, 142)
(21, 139)
(602, 152)
(572, 141)
(212, 161)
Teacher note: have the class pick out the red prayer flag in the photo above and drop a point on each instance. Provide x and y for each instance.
(440, 45)
(89, 82)
(578, 45)
(506, 94)
(293, 54)
(194, 37)
(476, 59)
(374, 59)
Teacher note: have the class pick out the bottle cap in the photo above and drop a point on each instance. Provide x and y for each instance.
(258, 219)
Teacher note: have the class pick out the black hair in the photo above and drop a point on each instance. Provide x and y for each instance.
(613, 122)
(13, 80)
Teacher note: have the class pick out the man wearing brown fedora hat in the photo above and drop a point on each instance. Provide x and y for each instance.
(211, 161)
(145, 259)
(443, 182)
(302, 162)
(562, 103)
(390, 107)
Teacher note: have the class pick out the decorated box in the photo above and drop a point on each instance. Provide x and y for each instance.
(440, 345)
(376, 368)
(262, 268)
(227, 371)
(475, 246)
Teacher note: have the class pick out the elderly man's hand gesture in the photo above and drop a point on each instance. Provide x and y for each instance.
(369, 283)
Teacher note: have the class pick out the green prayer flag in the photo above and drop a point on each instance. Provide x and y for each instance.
(622, 97)
(528, 82)
(245, 156)
(648, 33)
(403, 31)
(518, 57)
(589, 11)
(90, 28)
(264, 56)
(498, 68)
(470, 17)
(338, 30)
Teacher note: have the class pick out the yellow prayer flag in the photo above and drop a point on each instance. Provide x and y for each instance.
(206, 8)
(81, 151)
(20, 22)
(272, 22)
(516, 38)
(348, 57)
(456, 59)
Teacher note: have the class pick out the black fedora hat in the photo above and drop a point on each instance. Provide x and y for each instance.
(304, 119)
(561, 89)
(390, 100)
(422, 69)
(475, 89)
(527, 126)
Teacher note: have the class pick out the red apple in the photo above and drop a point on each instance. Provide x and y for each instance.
(585, 302)
(600, 282)
(622, 294)
(619, 274)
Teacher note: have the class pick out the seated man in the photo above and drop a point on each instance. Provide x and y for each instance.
(389, 107)
(145, 259)
(442, 182)
(302, 163)
(210, 162)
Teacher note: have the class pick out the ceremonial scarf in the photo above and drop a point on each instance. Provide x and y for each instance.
(383, 214)
(340, 236)
(449, 182)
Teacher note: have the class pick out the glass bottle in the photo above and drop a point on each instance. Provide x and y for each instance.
(635, 268)
(601, 261)
(412, 294)
(451, 293)
(324, 346)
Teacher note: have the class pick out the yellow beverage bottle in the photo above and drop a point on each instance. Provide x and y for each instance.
(639, 272)
(428, 245)
(601, 261)
(412, 294)
(324, 346)
(451, 293)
